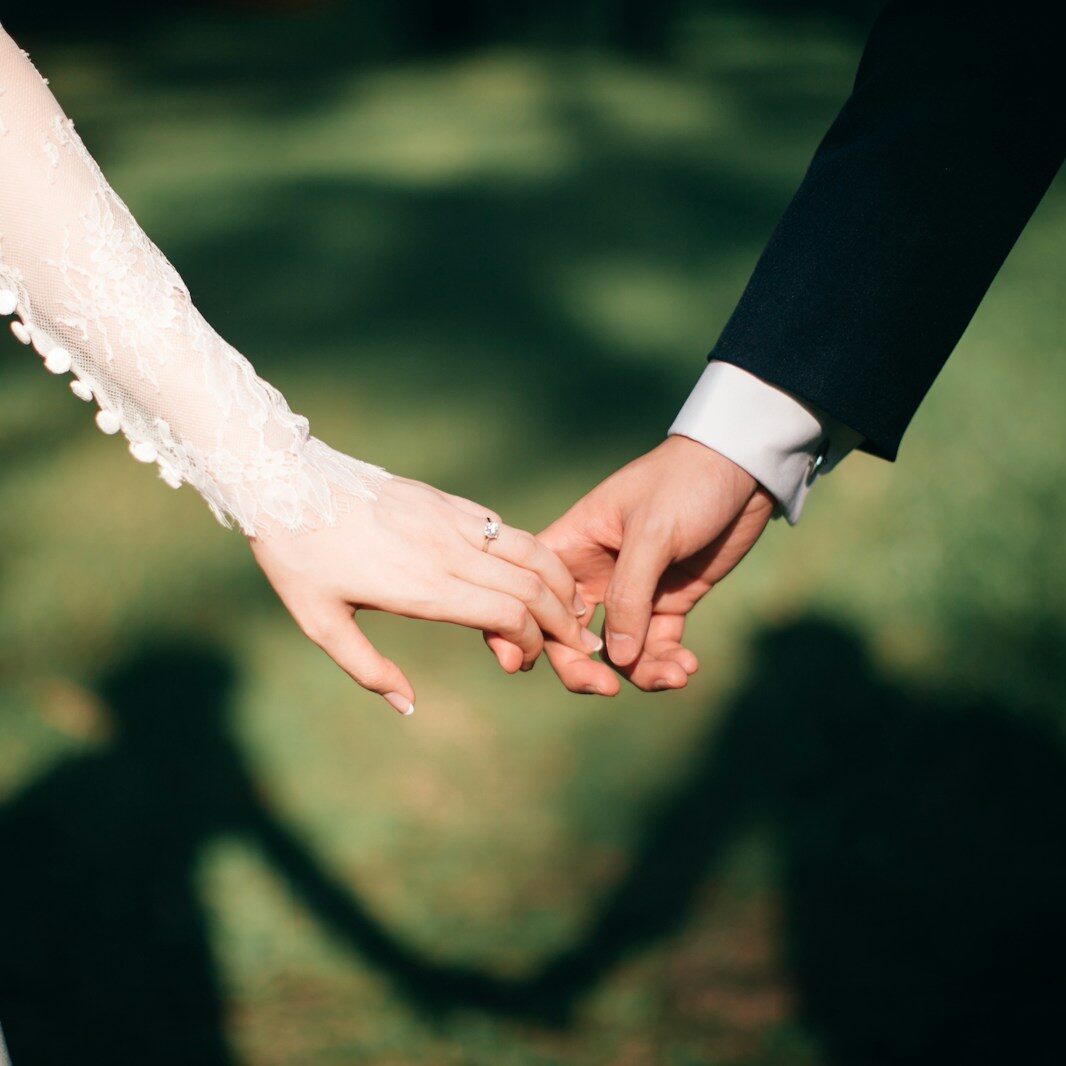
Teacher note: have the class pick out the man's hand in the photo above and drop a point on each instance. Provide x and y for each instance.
(649, 543)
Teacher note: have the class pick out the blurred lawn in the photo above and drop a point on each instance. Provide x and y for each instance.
(499, 273)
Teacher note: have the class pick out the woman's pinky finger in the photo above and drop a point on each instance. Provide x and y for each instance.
(552, 616)
(497, 613)
(508, 655)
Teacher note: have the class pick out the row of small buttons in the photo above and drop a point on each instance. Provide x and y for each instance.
(57, 360)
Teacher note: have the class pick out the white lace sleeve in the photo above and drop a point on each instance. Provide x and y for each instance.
(95, 297)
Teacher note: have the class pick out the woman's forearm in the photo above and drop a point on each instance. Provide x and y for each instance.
(96, 298)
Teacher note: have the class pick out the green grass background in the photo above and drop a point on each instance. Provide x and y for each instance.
(499, 271)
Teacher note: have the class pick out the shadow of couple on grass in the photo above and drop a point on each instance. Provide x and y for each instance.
(921, 841)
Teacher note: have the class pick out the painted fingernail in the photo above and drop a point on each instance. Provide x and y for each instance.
(591, 641)
(400, 703)
(579, 605)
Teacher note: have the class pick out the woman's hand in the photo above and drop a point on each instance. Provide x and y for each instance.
(416, 551)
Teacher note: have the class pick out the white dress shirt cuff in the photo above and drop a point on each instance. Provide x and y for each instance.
(783, 443)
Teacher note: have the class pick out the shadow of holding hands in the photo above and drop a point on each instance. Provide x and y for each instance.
(921, 844)
(105, 952)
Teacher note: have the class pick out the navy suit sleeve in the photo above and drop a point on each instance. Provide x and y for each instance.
(954, 130)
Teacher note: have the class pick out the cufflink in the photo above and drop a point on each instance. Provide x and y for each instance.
(817, 461)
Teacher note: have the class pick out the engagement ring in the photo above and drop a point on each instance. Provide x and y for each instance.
(490, 532)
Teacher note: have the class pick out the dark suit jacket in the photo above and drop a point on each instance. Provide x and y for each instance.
(954, 130)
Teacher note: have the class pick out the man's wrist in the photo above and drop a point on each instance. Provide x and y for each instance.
(783, 443)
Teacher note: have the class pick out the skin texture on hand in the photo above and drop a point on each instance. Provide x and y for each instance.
(649, 543)
(416, 551)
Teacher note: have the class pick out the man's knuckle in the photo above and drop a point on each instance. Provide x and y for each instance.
(657, 526)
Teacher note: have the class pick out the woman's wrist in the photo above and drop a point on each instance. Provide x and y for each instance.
(294, 490)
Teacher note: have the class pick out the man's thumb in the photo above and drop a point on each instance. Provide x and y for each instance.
(627, 604)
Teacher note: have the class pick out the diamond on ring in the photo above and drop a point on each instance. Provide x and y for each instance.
(491, 531)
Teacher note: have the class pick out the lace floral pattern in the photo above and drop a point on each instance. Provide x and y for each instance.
(96, 298)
